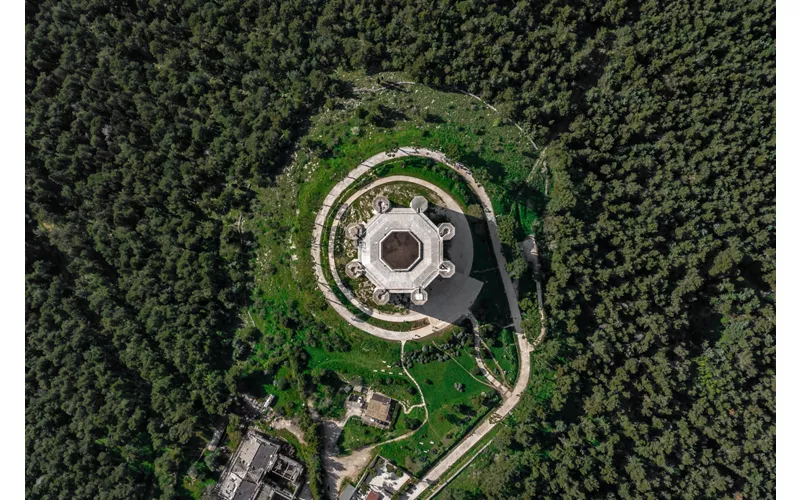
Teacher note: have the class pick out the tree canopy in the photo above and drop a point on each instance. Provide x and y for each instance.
(149, 126)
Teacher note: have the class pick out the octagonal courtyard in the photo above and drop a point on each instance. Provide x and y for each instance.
(400, 250)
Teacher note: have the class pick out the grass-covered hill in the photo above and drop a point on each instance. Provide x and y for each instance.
(153, 131)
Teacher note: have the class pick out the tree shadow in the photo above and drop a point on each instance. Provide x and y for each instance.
(384, 116)
(494, 170)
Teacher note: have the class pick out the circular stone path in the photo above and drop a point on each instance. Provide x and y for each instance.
(436, 325)
(448, 299)
(510, 400)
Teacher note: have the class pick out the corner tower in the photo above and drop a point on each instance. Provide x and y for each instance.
(400, 250)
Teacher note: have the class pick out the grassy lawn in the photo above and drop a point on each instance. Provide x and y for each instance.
(506, 357)
(451, 414)
(374, 363)
(290, 312)
(461, 127)
(356, 434)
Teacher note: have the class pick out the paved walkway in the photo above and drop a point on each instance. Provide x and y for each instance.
(328, 203)
(523, 345)
(450, 299)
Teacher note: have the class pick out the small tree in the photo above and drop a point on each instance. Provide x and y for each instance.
(516, 269)
(413, 423)
(459, 386)
(234, 431)
(212, 460)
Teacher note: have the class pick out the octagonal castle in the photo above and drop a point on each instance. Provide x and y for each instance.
(400, 250)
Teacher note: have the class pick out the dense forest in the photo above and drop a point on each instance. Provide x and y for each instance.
(150, 125)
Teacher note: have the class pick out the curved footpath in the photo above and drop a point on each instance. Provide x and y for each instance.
(327, 205)
(466, 288)
(499, 386)
(525, 348)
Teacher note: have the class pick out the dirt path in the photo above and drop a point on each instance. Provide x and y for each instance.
(289, 425)
(524, 347)
(470, 288)
(339, 468)
(408, 409)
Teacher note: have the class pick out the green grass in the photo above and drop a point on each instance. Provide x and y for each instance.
(446, 425)
(506, 357)
(468, 482)
(375, 362)
(195, 487)
(338, 140)
(357, 435)
(287, 401)
(467, 132)
(426, 169)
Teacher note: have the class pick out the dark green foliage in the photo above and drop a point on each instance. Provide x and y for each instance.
(413, 423)
(659, 243)
(148, 126)
(517, 268)
(457, 339)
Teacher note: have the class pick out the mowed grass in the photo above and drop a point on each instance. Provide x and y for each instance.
(446, 424)
(372, 362)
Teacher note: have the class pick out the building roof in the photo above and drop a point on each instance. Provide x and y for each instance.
(255, 458)
(381, 398)
(402, 250)
(348, 492)
(287, 468)
(379, 408)
(248, 450)
(267, 493)
(264, 457)
(374, 495)
(245, 491)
